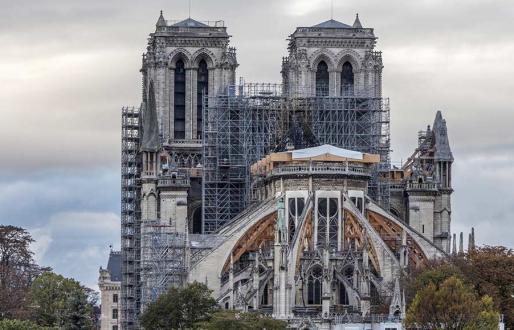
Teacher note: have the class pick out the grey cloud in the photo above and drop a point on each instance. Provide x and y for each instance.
(72, 215)
(68, 67)
(77, 243)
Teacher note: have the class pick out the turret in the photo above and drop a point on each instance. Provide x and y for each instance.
(357, 23)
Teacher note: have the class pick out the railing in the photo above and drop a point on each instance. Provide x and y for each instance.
(356, 318)
(396, 186)
(184, 141)
(422, 186)
(173, 182)
(148, 173)
(218, 23)
(275, 90)
(319, 169)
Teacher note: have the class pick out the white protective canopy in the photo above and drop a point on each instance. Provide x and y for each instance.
(326, 149)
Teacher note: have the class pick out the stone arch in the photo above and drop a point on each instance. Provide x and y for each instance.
(314, 284)
(322, 55)
(204, 54)
(351, 56)
(395, 212)
(195, 217)
(150, 193)
(179, 54)
(261, 231)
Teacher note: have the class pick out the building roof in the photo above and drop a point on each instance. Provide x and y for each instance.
(189, 22)
(323, 153)
(326, 150)
(114, 266)
(332, 24)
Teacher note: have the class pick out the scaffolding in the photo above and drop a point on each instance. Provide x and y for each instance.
(130, 215)
(163, 260)
(252, 120)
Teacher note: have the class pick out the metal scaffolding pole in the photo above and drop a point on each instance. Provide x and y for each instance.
(130, 214)
(253, 120)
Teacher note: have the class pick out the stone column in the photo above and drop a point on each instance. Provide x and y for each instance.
(338, 83)
(194, 102)
(162, 98)
(189, 103)
(171, 102)
(256, 296)
(332, 83)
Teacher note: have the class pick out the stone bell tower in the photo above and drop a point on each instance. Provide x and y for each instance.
(333, 59)
(187, 61)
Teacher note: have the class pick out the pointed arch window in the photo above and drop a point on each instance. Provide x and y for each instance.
(295, 209)
(179, 110)
(314, 286)
(197, 221)
(343, 295)
(202, 89)
(327, 222)
(322, 79)
(347, 79)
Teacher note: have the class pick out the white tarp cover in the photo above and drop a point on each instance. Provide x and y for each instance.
(326, 149)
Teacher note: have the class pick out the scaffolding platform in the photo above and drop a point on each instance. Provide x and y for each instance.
(252, 120)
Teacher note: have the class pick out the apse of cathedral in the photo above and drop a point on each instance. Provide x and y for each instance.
(280, 197)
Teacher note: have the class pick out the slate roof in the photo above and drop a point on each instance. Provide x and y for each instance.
(114, 266)
(190, 23)
(332, 24)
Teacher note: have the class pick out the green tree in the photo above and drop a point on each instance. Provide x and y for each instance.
(21, 325)
(490, 270)
(450, 305)
(232, 320)
(180, 308)
(62, 302)
(436, 272)
(17, 269)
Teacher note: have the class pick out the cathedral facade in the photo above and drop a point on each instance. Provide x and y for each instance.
(281, 198)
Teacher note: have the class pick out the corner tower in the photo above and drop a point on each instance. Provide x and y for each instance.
(333, 59)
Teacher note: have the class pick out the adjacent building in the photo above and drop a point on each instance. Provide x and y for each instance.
(109, 283)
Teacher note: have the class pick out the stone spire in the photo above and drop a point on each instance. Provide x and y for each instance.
(395, 309)
(442, 145)
(461, 243)
(150, 140)
(357, 24)
(454, 249)
(161, 22)
(404, 304)
(471, 242)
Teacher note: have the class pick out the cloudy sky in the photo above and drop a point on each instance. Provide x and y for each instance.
(68, 66)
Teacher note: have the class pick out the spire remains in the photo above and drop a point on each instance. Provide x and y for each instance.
(357, 24)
